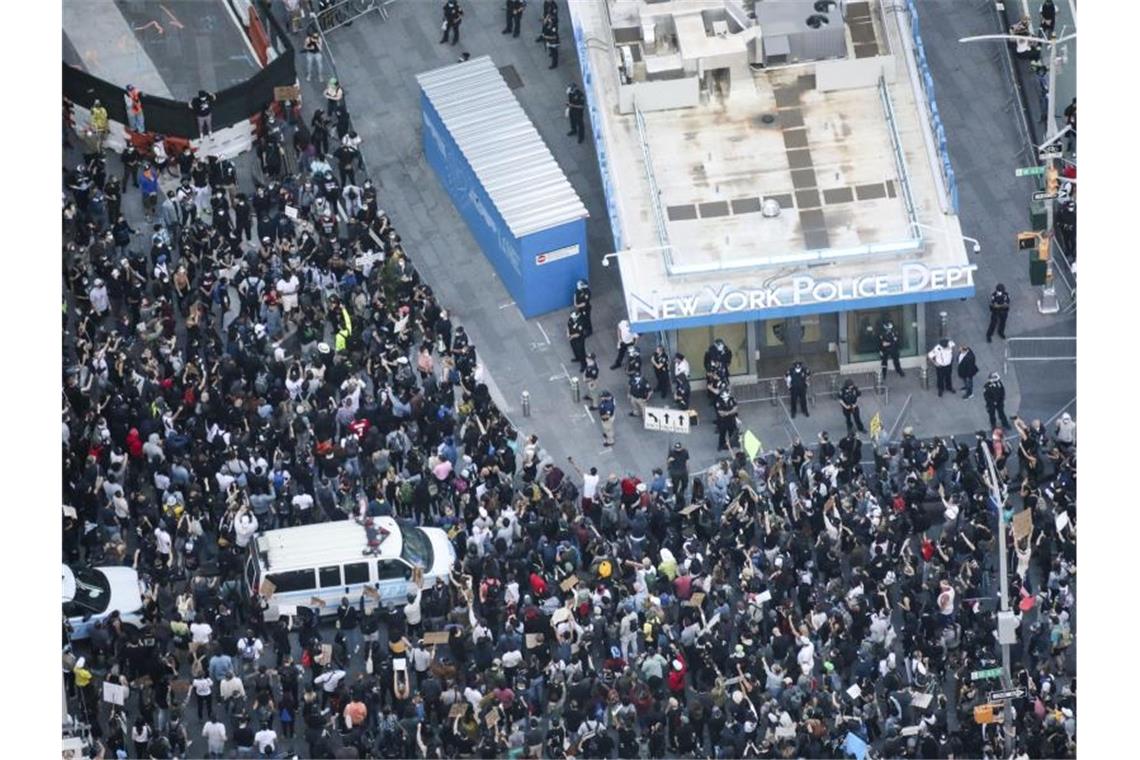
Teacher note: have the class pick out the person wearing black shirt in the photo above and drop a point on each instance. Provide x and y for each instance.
(452, 18)
(849, 402)
(797, 379)
(889, 348)
(999, 312)
(203, 108)
(550, 39)
(514, 10)
(678, 466)
(131, 160)
(582, 304)
(726, 422)
(994, 394)
(576, 333)
(660, 364)
(575, 109)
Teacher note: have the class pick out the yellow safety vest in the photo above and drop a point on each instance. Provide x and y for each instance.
(344, 332)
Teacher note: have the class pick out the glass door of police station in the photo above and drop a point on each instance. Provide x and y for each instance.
(811, 338)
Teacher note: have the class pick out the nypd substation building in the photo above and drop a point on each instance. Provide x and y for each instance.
(777, 178)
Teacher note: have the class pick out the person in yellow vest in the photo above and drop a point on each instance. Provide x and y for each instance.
(343, 324)
(99, 124)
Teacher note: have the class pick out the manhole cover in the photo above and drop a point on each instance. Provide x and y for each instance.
(768, 118)
(513, 80)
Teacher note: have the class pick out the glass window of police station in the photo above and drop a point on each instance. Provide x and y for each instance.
(863, 331)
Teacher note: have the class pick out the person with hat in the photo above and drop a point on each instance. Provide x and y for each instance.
(575, 110)
(994, 394)
(606, 412)
(727, 424)
(576, 332)
(849, 403)
(942, 357)
(797, 381)
(889, 341)
(203, 107)
(999, 312)
(452, 18)
(677, 463)
(660, 363)
(132, 99)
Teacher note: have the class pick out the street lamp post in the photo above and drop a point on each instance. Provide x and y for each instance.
(1003, 577)
(1048, 303)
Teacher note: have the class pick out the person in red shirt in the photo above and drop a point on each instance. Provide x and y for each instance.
(676, 678)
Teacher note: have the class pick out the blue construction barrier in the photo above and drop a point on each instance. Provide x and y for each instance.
(933, 116)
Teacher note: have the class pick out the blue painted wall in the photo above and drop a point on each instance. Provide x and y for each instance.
(536, 288)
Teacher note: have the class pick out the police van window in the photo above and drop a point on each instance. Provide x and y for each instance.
(330, 576)
(294, 580)
(357, 572)
(390, 569)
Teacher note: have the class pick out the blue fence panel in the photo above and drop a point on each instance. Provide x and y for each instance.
(926, 79)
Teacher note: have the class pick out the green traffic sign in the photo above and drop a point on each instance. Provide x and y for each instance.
(1030, 171)
(977, 675)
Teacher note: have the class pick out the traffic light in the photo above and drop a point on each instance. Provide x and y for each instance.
(1052, 180)
(1027, 241)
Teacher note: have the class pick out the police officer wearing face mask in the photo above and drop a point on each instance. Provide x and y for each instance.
(797, 379)
(889, 348)
(999, 312)
(660, 363)
(575, 110)
(577, 334)
(849, 402)
(582, 304)
(994, 394)
(633, 362)
(726, 419)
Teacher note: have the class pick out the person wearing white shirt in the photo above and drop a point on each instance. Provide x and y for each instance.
(199, 635)
(245, 526)
(329, 681)
(412, 611)
(266, 738)
(626, 339)
(249, 647)
(203, 687)
(230, 689)
(214, 732)
(942, 356)
(162, 542)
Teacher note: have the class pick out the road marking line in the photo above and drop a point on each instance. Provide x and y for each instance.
(507, 305)
(544, 335)
(587, 408)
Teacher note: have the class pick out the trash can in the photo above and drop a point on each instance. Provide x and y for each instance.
(1037, 270)
(1037, 215)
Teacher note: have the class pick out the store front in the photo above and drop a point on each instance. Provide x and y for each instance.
(824, 342)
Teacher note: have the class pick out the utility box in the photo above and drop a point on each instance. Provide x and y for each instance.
(1037, 270)
(505, 183)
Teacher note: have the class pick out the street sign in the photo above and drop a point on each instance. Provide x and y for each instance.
(1053, 149)
(666, 420)
(1042, 195)
(998, 696)
(1029, 171)
(978, 675)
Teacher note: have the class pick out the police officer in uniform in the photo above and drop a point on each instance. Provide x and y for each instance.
(606, 410)
(514, 16)
(452, 18)
(582, 304)
(639, 393)
(999, 312)
(660, 363)
(550, 39)
(994, 394)
(682, 391)
(797, 379)
(575, 109)
(849, 401)
(633, 362)
(577, 334)
(889, 348)
(725, 419)
(590, 372)
(718, 357)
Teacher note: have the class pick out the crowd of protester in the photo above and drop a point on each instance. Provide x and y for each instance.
(255, 352)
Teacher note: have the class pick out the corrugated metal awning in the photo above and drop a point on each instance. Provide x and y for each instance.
(509, 157)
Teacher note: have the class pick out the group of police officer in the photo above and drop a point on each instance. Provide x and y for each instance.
(718, 360)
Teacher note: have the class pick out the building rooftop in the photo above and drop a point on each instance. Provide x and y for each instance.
(694, 146)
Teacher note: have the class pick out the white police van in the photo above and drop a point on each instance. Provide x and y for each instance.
(91, 594)
(328, 561)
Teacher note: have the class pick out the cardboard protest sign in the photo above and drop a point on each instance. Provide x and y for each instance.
(267, 588)
(569, 582)
(534, 640)
(1022, 524)
(696, 599)
(436, 637)
(115, 693)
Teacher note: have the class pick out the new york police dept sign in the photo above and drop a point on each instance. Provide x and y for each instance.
(802, 290)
